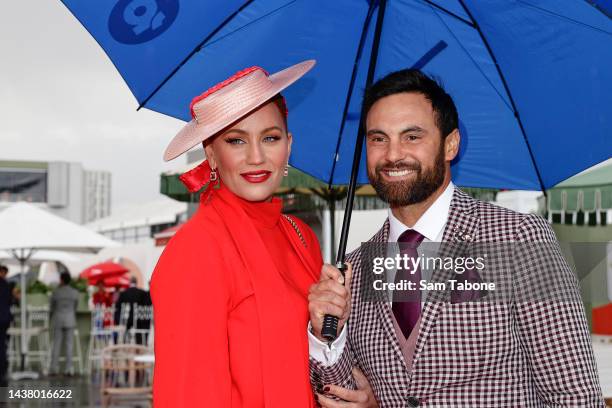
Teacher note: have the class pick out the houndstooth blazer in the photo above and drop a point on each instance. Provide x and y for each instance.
(474, 354)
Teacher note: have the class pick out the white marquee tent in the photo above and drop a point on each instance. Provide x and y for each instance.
(25, 229)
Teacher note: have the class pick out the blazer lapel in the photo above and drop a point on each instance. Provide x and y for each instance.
(460, 227)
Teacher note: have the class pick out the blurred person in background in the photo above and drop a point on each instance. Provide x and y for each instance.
(102, 297)
(147, 296)
(15, 293)
(5, 321)
(130, 297)
(115, 294)
(63, 305)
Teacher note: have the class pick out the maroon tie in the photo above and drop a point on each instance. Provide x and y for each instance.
(407, 304)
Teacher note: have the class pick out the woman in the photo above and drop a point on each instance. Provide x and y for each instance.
(230, 292)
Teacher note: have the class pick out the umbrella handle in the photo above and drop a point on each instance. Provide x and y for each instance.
(329, 331)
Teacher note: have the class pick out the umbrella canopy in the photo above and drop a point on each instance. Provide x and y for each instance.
(101, 271)
(114, 281)
(26, 226)
(527, 76)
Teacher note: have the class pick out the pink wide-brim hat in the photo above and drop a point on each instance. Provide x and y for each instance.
(229, 103)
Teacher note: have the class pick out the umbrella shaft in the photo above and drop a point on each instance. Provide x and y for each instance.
(360, 136)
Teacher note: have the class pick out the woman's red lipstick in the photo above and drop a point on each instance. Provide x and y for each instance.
(256, 176)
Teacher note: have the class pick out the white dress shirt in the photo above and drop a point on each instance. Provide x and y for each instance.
(431, 225)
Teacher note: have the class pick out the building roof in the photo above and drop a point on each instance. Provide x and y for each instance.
(590, 190)
(595, 176)
(162, 210)
(22, 164)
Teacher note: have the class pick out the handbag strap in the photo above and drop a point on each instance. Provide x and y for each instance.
(297, 229)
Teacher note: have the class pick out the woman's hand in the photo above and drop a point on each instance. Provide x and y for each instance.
(362, 397)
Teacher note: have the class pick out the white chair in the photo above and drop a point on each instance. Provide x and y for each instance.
(124, 314)
(121, 325)
(123, 377)
(101, 336)
(13, 352)
(38, 321)
(15, 311)
(14, 345)
(142, 315)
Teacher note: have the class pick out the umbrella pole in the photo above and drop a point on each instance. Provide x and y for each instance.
(22, 307)
(330, 323)
(331, 201)
(346, 222)
(23, 256)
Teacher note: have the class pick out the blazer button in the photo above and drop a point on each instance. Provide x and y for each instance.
(413, 401)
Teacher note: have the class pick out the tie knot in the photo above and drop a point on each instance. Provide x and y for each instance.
(411, 237)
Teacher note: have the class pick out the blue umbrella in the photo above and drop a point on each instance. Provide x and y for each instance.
(532, 79)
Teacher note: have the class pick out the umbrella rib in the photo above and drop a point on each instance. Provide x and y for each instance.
(195, 50)
(562, 17)
(450, 13)
(478, 67)
(507, 88)
(349, 94)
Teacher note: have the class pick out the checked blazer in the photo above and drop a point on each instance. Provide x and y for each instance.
(474, 354)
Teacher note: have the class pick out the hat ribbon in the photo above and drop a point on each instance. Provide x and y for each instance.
(197, 177)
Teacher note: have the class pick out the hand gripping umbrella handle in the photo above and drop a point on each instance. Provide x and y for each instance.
(329, 331)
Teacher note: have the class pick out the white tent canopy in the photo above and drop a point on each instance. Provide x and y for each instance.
(43, 256)
(25, 226)
(24, 229)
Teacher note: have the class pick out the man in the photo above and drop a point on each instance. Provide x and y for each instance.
(455, 353)
(5, 321)
(131, 297)
(63, 305)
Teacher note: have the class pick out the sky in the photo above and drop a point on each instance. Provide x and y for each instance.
(62, 99)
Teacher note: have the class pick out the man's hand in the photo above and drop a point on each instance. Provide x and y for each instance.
(332, 296)
(363, 397)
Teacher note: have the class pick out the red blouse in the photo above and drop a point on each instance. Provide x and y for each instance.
(230, 296)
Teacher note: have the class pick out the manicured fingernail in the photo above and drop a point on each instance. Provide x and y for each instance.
(326, 388)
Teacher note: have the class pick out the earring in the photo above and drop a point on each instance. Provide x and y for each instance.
(213, 175)
(286, 172)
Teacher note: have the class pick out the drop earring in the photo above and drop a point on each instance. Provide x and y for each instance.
(213, 175)
(286, 171)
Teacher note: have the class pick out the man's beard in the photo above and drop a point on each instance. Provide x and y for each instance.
(407, 192)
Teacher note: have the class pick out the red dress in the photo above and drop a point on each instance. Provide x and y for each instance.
(230, 296)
